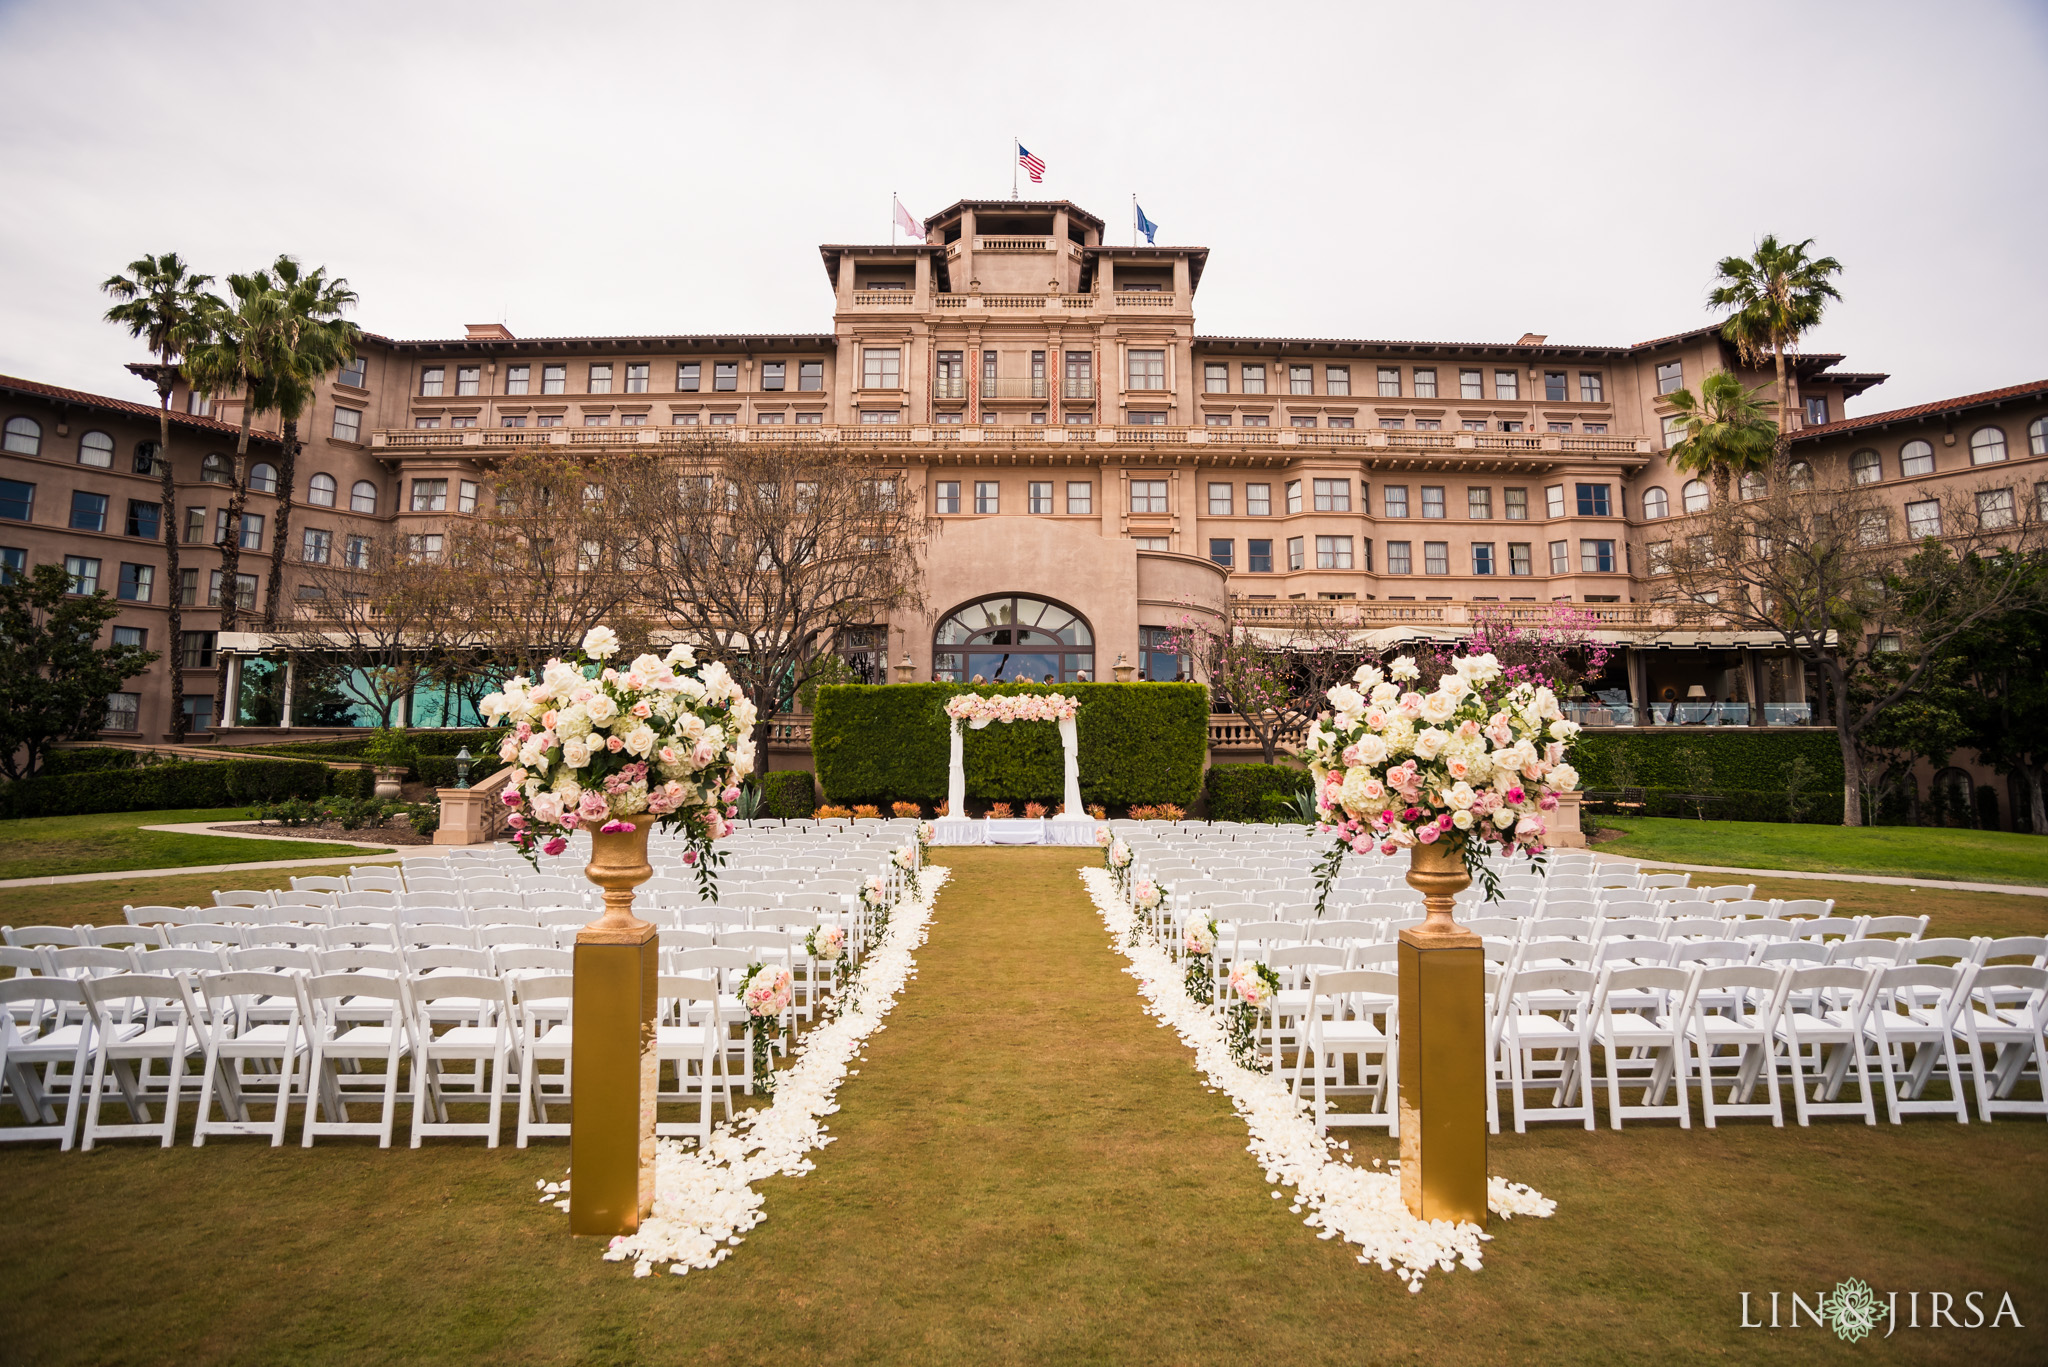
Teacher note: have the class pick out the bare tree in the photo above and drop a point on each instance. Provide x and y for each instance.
(1272, 674)
(1870, 606)
(367, 625)
(764, 554)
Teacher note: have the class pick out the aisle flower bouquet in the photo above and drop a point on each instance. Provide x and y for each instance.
(1199, 945)
(1252, 986)
(592, 743)
(1475, 762)
(978, 711)
(766, 993)
(1116, 857)
(827, 944)
(874, 895)
(926, 833)
(905, 861)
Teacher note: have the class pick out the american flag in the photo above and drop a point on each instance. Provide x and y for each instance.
(1033, 167)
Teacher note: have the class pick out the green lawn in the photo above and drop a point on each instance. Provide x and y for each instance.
(1894, 851)
(40, 846)
(1027, 1171)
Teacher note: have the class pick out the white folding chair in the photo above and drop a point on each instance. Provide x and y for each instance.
(482, 1037)
(1353, 1032)
(140, 1019)
(245, 1051)
(2007, 1012)
(1916, 1008)
(1641, 1012)
(353, 1019)
(546, 1005)
(1747, 1024)
(33, 1050)
(1528, 1027)
(1824, 1012)
(688, 1051)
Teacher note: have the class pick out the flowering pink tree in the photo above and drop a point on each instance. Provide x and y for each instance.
(1558, 651)
(1245, 675)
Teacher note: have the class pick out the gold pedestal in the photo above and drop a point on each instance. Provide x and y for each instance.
(1443, 1049)
(613, 1061)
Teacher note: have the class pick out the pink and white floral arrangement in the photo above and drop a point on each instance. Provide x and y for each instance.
(905, 862)
(766, 991)
(1475, 762)
(978, 711)
(1198, 947)
(1116, 857)
(1252, 986)
(592, 743)
(827, 944)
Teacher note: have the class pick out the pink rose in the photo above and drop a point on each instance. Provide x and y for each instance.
(642, 710)
(517, 821)
(1351, 756)
(549, 718)
(1388, 847)
(510, 797)
(1443, 823)
(1427, 835)
(730, 795)
(689, 856)
(1468, 729)
(593, 806)
(1548, 802)
(671, 755)
(614, 827)
(556, 846)
(1458, 768)
(702, 756)
(615, 744)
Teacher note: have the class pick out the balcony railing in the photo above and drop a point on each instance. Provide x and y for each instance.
(892, 299)
(953, 387)
(1144, 299)
(1013, 244)
(1012, 387)
(1077, 389)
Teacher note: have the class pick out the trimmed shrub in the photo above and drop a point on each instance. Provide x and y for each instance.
(1238, 792)
(1742, 758)
(1139, 743)
(788, 794)
(179, 784)
(273, 780)
(1734, 804)
(356, 783)
(88, 761)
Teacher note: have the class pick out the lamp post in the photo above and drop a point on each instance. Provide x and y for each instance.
(462, 763)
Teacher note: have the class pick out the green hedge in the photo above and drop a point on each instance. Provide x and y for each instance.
(1238, 792)
(1139, 743)
(482, 744)
(88, 761)
(788, 794)
(1742, 758)
(154, 786)
(1732, 804)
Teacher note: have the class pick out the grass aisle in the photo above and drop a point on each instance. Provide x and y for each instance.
(1028, 1171)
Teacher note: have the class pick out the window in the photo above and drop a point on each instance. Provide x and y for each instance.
(636, 376)
(1333, 552)
(1146, 419)
(810, 420)
(13, 561)
(1258, 556)
(1873, 527)
(1222, 551)
(198, 712)
(1148, 368)
(1215, 378)
(1866, 466)
(987, 496)
(1506, 384)
(600, 378)
(1482, 557)
(1518, 558)
(352, 372)
(263, 479)
(1394, 500)
(1508, 425)
(1039, 496)
(1694, 494)
(1560, 557)
(198, 404)
(1816, 410)
(1301, 379)
(84, 572)
(136, 638)
(1656, 504)
(1515, 504)
(1592, 500)
(136, 583)
(1398, 558)
(1152, 543)
(1337, 379)
(97, 450)
(881, 368)
(597, 420)
(1479, 503)
(1590, 387)
(88, 511)
(810, 376)
(1428, 425)
(1301, 420)
(675, 419)
(732, 419)
(948, 495)
(145, 461)
(1471, 385)
(1393, 424)
(1221, 500)
(427, 547)
(188, 591)
(1987, 446)
(423, 423)
(1390, 382)
(1345, 423)
(1425, 383)
(315, 545)
(429, 495)
(554, 379)
(1474, 424)
(988, 369)
(518, 378)
(689, 376)
(24, 436)
(1596, 557)
(468, 379)
(725, 376)
(362, 497)
(431, 381)
(195, 525)
(1436, 557)
(1916, 458)
(1660, 557)
(466, 503)
(1252, 378)
(1148, 495)
(1294, 553)
(1923, 519)
(1670, 376)
(1433, 500)
(252, 531)
(1258, 500)
(213, 470)
(1799, 475)
(144, 519)
(1257, 420)
(1995, 507)
(124, 712)
(1080, 498)
(357, 553)
(1554, 386)
(1293, 495)
(1332, 495)
(320, 491)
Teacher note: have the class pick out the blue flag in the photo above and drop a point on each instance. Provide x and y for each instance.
(1145, 225)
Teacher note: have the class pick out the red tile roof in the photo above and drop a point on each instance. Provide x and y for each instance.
(1961, 403)
(106, 404)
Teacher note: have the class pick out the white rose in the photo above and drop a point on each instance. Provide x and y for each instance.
(647, 666)
(1368, 676)
(1504, 817)
(575, 753)
(1345, 698)
(639, 741)
(1372, 749)
(1460, 796)
(1462, 820)
(1563, 778)
(601, 709)
(682, 655)
(1430, 744)
(1385, 693)
(1564, 730)
(1404, 668)
(600, 643)
(1439, 707)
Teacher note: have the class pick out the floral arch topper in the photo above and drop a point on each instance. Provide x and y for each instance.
(978, 711)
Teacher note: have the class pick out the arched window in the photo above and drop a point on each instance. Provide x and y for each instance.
(1656, 504)
(214, 470)
(1751, 486)
(1800, 474)
(1866, 466)
(263, 479)
(24, 436)
(1987, 446)
(362, 497)
(320, 491)
(145, 458)
(1695, 495)
(1012, 639)
(2037, 437)
(97, 450)
(1916, 458)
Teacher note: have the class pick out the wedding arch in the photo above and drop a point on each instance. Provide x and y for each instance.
(978, 712)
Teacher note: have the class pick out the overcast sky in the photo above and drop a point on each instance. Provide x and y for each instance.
(1435, 172)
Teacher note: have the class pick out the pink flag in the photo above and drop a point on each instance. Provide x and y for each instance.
(908, 223)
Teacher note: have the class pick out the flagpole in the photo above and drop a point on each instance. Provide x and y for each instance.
(1016, 155)
(893, 202)
(1134, 218)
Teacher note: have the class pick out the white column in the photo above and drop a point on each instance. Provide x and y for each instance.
(956, 778)
(1071, 746)
(290, 677)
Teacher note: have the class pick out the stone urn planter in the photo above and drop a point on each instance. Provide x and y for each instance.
(390, 780)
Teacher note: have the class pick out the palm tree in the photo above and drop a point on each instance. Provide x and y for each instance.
(239, 355)
(313, 342)
(1777, 294)
(1728, 430)
(159, 301)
